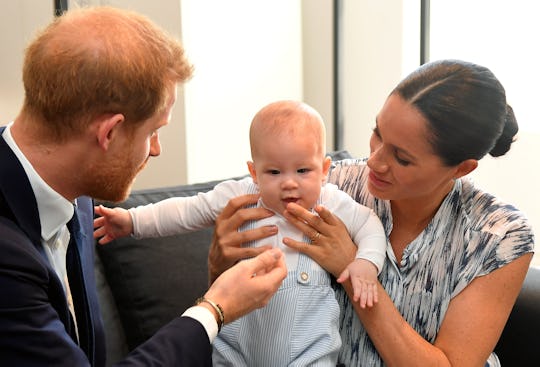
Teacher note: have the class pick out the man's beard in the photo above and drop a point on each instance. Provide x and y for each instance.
(115, 184)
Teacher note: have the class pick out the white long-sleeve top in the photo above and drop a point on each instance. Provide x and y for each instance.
(185, 214)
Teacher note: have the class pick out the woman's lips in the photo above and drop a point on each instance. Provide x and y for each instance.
(377, 182)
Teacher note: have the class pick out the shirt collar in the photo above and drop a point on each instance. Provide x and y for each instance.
(54, 210)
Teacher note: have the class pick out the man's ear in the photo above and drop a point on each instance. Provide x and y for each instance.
(252, 172)
(465, 167)
(107, 129)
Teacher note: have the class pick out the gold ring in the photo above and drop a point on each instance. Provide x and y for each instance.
(316, 236)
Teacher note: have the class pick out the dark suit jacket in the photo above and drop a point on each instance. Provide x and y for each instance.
(36, 327)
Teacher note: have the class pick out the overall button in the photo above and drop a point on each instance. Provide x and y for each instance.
(303, 277)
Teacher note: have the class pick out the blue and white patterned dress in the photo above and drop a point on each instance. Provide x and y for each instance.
(472, 234)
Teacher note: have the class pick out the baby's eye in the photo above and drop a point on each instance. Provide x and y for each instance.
(273, 172)
(303, 170)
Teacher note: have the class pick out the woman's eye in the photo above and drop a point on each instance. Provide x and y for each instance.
(402, 162)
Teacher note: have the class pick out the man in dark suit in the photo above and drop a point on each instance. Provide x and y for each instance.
(99, 83)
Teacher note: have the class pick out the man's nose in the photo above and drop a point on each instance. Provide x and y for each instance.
(155, 146)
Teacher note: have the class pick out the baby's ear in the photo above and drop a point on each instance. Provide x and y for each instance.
(326, 165)
(252, 172)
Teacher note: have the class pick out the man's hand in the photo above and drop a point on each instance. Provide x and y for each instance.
(249, 284)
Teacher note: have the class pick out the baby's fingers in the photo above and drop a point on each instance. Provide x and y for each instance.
(345, 274)
(358, 290)
(369, 295)
(375, 294)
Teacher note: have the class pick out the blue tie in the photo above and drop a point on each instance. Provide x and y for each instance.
(77, 286)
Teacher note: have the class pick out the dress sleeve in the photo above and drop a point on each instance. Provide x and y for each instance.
(504, 236)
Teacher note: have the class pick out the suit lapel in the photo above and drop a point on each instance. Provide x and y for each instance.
(18, 194)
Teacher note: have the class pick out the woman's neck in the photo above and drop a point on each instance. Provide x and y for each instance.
(410, 217)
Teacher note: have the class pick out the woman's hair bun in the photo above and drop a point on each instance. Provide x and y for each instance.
(505, 140)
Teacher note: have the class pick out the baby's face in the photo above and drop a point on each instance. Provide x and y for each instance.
(289, 170)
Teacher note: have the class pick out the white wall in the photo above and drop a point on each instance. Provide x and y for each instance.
(373, 64)
(246, 54)
(318, 60)
(19, 21)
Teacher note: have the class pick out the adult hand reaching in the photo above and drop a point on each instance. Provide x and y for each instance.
(226, 248)
(249, 284)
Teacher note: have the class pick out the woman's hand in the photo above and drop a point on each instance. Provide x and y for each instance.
(226, 248)
(331, 247)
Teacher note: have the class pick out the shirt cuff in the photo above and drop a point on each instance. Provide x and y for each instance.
(206, 318)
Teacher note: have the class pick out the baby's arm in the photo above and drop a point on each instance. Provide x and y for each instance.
(111, 224)
(367, 232)
(182, 214)
(363, 276)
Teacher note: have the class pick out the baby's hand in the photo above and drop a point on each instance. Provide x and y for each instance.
(363, 275)
(112, 224)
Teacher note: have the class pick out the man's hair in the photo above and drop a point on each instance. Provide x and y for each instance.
(96, 61)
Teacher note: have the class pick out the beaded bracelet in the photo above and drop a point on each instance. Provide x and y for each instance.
(216, 308)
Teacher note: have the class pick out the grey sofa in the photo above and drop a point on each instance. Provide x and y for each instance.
(145, 283)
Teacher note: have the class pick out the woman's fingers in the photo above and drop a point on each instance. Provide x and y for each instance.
(331, 245)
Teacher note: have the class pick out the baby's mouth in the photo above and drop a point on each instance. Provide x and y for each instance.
(290, 200)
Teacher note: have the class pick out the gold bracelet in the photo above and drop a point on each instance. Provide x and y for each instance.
(217, 308)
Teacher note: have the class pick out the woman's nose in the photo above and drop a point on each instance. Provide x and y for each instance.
(377, 159)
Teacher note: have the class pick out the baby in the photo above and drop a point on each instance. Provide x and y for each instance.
(300, 325)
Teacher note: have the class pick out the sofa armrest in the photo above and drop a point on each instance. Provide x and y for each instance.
(519, 342)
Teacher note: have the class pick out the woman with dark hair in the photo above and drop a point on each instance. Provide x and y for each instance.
(456, 256)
